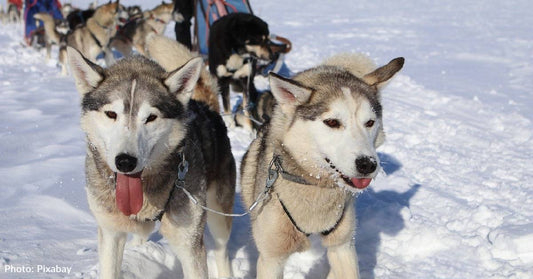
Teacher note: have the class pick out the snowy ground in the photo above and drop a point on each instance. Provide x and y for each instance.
(457, 197)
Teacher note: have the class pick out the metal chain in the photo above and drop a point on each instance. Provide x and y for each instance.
(273, 173)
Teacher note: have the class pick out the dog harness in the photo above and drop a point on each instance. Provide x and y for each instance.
(274, 171)
(98, 43)
(95, 39)
(276, 163)
(324, 233)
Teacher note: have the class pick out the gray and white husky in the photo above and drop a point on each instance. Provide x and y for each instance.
(317, 151)
(142, 130)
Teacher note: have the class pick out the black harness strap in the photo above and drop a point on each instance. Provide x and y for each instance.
(95, 39)
(276, 162)
(324, 233)
(290, 218)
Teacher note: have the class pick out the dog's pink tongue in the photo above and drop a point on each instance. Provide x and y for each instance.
(129, 193)
(361, 183)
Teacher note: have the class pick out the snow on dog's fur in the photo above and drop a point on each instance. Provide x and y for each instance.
(322, 141)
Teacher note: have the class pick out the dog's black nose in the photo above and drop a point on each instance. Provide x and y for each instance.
(125, 162)
(365, 165)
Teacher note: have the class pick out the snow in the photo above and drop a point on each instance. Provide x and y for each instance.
(455, 198)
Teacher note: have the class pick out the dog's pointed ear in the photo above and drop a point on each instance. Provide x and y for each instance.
(288, 93)
(183, 80)
(384, 73)
(87, 75)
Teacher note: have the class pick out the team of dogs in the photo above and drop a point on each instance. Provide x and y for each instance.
(156, 142)
(11, 14)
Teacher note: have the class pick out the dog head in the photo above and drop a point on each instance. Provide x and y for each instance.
(133, 113)
(111, 14)
(134, 11)
(62, 27)
(333, 121)
(163, 9)
(66, 9)
(251, 34)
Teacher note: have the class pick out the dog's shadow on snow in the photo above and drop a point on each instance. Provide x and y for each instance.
(241, 247)
(377, 212)
(380, 212)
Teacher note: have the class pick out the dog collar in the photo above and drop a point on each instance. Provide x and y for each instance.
(274, 170)
(275, 165)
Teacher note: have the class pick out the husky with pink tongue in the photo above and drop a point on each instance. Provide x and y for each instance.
(146, 136)
(317, 152)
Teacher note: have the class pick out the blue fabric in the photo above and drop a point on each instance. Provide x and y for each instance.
(283, 70)
(232, 6)
(53, 7)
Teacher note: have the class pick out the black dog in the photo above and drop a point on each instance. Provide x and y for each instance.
(236, 42)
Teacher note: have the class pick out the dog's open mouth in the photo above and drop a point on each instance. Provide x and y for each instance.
(359, 183)
(129, 193)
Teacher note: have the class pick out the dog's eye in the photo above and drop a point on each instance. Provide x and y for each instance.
(369, 123)
(151, 118)
(332, 123)
(111, 114)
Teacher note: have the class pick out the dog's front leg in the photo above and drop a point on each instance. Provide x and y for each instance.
(343, 262)
(48, 50)
(110, 252)
(340, 243)
(276, 239)
(108, 56)
(223, 85)
(270, 267)
(246, 105)
(185, 236)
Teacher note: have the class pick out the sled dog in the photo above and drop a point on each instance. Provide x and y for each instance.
(13, 13)
(145, 136)
(135, 31)
(3, 15)
(317, 151)
(235, 42)
(53, 37)
(94, 36)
